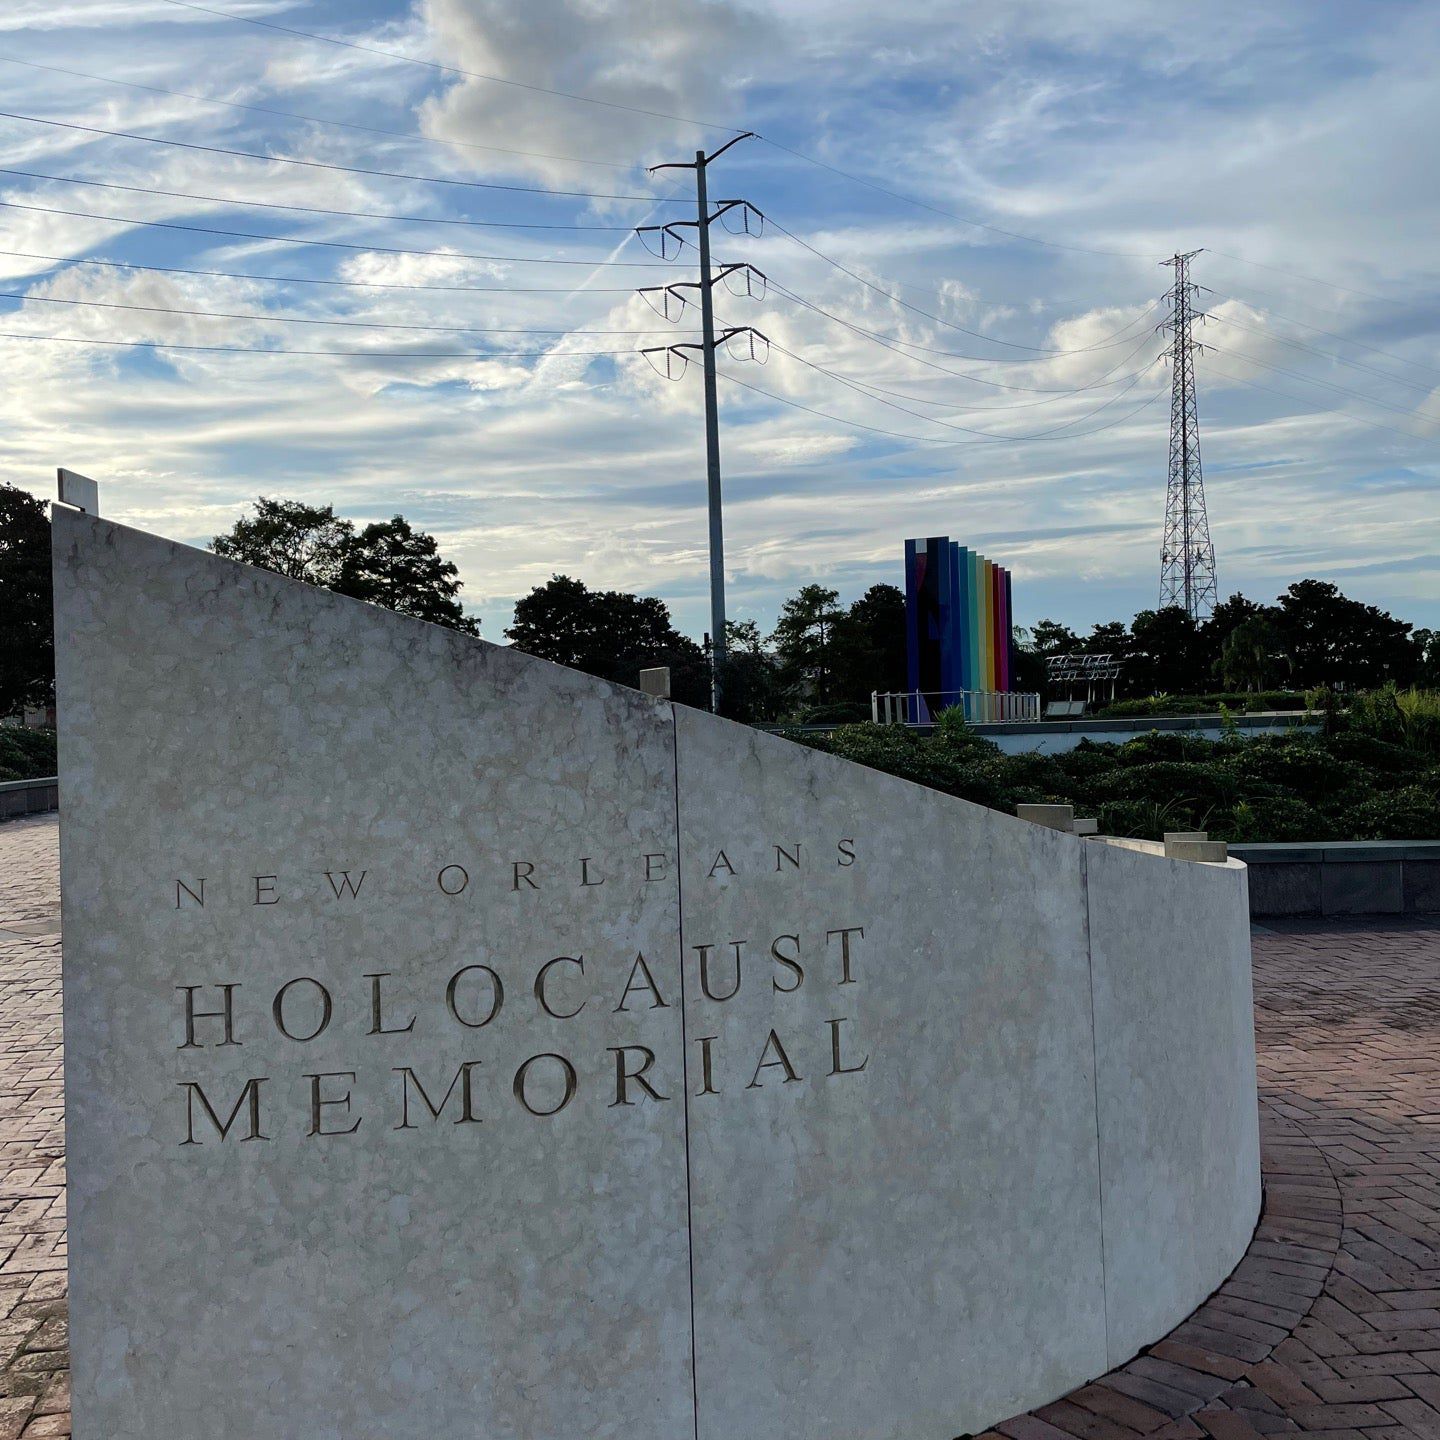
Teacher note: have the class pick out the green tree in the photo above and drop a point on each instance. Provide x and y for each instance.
(1333, 640)
(1166, 653)
(27, 647)
(299, 541)
(868, 645)
(802, 641)
(388, 563)
(752, 678)
(391, 564)
(609, 633)
(1253, 656)
(1050, 637)
(1107, 638)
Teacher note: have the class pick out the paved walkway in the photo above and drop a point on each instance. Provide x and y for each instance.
(1330, 1324)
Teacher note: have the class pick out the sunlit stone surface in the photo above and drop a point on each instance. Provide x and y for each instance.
(457, 1045)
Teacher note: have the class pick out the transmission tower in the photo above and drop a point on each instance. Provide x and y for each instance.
(709, 344)
(1187, 558)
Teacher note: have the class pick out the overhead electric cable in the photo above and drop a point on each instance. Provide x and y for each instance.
(331, 244)
(1037, 351)
(319, 280)
(338, 354)
(446, 69)
(1311, 380)
(333, 165)
(317, 119)
(964, 429)
(950, 214)
(926, 439)
(1309, 279)
(311, 320)
(1331, 334)
(893, 344)
(1300, 400)
(311, 209)
(1101, 382)
(1324, 354)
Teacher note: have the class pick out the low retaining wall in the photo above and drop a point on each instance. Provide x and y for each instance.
(1374, 877)
(28, 797)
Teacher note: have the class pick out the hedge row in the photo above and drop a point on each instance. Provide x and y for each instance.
(1292, 787)
(26, 754)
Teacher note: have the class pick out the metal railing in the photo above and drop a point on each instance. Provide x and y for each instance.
(980, 707)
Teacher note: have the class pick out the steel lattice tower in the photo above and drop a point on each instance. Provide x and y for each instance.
(1187, 558)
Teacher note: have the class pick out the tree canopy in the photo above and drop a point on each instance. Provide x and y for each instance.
(388, 563)
(609, 633)
(27, 646)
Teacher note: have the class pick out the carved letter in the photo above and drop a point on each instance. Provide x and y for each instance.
(624, 1076)
(836, 1068)
(578, 961)
(571, 1082)
(346, 885)
(650, 875)
(265, 890)
(522, 870)
(278, 1009)
(845, 976)
(705, 971)
(721, 859)
(647, 982)
(319, 1106)
(707, 1077)
(793, 859)
(497, 996)
(462, 1079)
(791, 962)
(585, 873)
(226, 1014)
(455, 872)
(781, 1059)
(847, 853)
(198, 899)
(249, 1095)
(377, 1018)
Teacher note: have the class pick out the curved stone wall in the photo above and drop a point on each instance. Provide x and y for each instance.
(456, 1044)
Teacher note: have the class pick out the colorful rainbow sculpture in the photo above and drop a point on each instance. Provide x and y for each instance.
(958, 620)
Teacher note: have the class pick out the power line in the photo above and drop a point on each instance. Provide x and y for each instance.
(337, 354)
(309, 320)
(949, 214)
(310, 209)
(447, 69)
(926, 439)
(964, 429)
(333, 165)
(1055, 398)
(314, 119)
(1300, 400)
(893, 344)
(317, 280)
(1329, 354)
(329, 244)
(1310, 279)
(1311, 380)
(1038, 353)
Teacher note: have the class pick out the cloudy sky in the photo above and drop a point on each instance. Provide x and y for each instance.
(962, 324)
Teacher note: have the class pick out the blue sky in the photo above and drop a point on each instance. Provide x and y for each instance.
(1293, 141)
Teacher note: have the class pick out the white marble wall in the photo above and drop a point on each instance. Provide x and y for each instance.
(977, 1122)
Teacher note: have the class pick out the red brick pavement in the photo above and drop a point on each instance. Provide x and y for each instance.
(1330, 1324)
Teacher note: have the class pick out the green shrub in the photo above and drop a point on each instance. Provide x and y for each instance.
(1409, 813)
(26, 754)
(1272, 819)
(1303, 767)
(1403, 717)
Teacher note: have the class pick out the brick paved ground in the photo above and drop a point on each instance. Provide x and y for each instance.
(1330, 1324)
